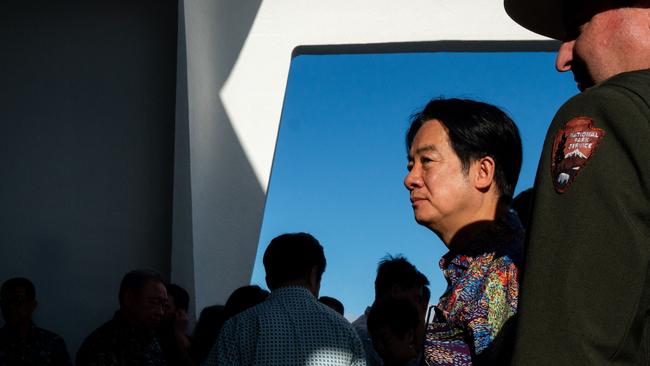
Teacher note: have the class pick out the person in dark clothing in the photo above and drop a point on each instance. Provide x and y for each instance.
(206, 332)
(586, 290)
(396, 331)
(172, 332)
(21, 342)
(244, 298)
(129, 338)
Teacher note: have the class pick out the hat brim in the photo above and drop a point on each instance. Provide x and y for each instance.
(544, 17)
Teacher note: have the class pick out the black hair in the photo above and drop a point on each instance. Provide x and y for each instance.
(332, 303)
(180, 295)
(522, 204)
(426, 294)
(291, 257)
(476, 130)
(18, 282)
(244, 298)
(136, 280)
(397, 271)
(399, 315)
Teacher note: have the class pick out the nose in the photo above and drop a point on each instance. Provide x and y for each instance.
(564, 57)
(413, 178)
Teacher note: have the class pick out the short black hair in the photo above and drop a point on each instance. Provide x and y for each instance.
(244, 298)
(476, 130)
(426, 294)
(332, 303)
(399, 315)
(18, 282)
(180, 295)
(291, 257)
(397, 270)
(136, 280)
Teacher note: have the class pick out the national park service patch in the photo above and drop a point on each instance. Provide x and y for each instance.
(574, 144)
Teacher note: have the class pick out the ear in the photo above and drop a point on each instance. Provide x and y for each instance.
(484, 173)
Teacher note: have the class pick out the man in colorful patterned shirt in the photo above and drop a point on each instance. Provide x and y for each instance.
(291, 327)
(464, 159)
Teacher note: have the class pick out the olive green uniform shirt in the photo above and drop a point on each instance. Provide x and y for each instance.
(586, 290)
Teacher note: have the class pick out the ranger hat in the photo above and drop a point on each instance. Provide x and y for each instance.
(544, 17)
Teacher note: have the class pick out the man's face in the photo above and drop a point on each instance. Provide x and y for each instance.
(17, 307)
(148, 306)
(440, 190)
(603, 41)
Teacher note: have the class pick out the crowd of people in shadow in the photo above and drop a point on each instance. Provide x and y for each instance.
(478, 149)
(290, 325)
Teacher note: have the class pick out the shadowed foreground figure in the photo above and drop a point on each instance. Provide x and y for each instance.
(586, 290)
(22, 342)
(172, 332)
(206, 331)
(396, 329)
(129, 339)
(396, 278)
(244, 298)
(463, 160)
(291, 327)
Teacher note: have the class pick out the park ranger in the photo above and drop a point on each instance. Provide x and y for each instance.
(586, 290)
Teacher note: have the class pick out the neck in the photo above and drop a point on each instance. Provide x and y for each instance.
(297, 283)
(476, 222)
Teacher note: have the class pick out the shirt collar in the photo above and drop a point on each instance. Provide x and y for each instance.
(291, 291)
(498, 233)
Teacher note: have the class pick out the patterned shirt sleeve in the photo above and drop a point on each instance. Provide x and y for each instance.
(497, 304)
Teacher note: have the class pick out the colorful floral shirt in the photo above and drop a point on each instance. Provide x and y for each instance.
(474, 315)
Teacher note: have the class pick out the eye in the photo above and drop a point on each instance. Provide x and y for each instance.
(409, 165)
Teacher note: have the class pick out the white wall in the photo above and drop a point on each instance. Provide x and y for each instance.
(86, 130)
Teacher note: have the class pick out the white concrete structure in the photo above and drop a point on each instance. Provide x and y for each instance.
(251, 86)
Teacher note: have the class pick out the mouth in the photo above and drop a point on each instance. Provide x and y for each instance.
(415, 200)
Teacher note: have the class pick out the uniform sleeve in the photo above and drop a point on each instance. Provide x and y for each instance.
(585, 290)
(496, 305)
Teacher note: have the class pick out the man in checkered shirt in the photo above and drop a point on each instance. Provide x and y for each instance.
(291, 327)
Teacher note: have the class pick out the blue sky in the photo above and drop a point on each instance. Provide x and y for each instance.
(340, 157)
